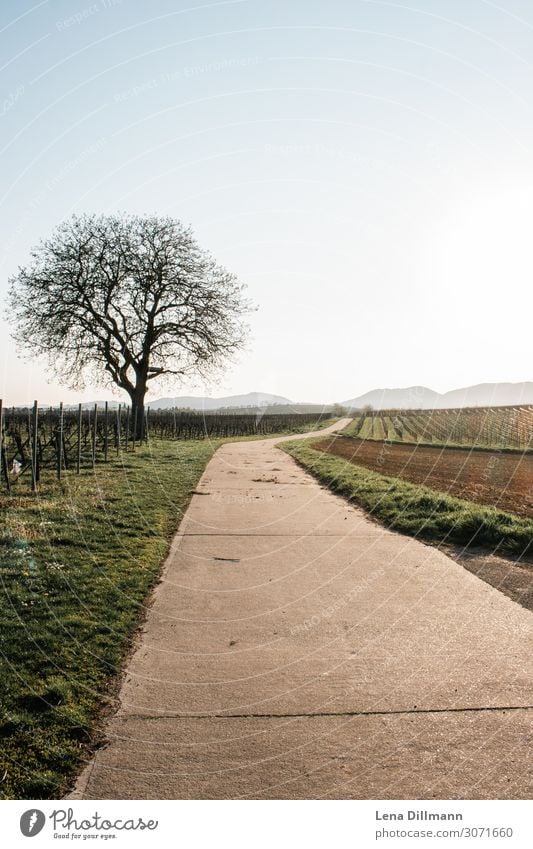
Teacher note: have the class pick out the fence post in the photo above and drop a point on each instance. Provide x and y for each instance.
(34, 462)
(78, 457)
(146, 425)
(5, 469)
(127, 426)
(134, 429)
(59, 445)
(94, 434)
(3, 459)
(106, 422)
(119, 409)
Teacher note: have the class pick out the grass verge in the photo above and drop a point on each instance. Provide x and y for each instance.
(414, 509)
(76, 564)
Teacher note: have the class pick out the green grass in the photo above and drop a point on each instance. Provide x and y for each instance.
(413, 509)
(365, 429)
(76, 564)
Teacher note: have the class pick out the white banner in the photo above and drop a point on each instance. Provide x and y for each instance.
(262, 825)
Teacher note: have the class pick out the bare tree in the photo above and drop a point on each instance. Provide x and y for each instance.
(126, 299)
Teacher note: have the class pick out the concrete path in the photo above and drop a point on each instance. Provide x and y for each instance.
(295, 649)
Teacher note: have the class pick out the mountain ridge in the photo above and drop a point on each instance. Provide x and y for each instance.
(409, 397)
(423, 398)
(204, 402)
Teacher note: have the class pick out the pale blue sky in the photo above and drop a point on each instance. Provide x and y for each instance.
(365, 167)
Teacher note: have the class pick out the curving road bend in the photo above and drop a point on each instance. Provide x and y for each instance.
(296, 649)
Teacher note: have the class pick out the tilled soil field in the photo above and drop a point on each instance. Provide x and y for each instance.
(498, 479)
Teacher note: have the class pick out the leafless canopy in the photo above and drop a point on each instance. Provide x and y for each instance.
(127, 299)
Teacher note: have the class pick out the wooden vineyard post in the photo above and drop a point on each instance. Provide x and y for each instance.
(95, 417)
(3, 470)
(33, 437)
(78, 455)
(59, 445)
(117, 443)
(146, 425)
(134, 434)
(87, 432)
(29, 436)
(106, 433)
(127, 437)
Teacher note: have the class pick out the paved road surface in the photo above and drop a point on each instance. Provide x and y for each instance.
(295, 649)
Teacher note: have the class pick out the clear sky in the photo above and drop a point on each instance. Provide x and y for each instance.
(364, 166)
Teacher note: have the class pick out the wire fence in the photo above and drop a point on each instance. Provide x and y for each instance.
(70, 439)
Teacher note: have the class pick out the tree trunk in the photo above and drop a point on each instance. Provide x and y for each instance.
(137, 412)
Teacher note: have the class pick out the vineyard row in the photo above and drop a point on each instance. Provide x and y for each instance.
(483, 427)
(70, 439)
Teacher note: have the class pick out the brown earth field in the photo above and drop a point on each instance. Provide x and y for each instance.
(497, 479)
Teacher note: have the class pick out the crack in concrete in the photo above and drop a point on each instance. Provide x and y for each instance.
(326, 714)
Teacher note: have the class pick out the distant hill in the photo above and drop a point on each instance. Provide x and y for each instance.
(409, 397)
(489, 394)
(253, 403)
(420, 397)
(190, 402)
(412, 397)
